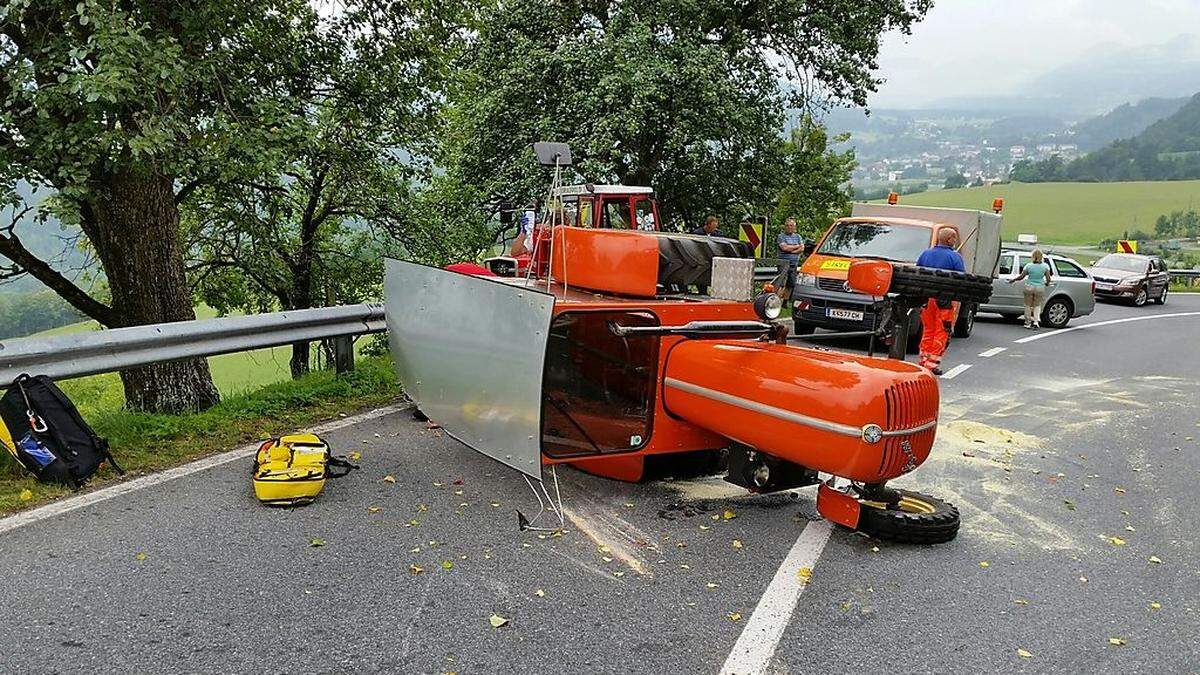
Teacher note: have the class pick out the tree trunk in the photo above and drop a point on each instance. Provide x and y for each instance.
(135, 229)
(299, 362)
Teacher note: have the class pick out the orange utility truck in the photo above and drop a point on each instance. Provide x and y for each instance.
(895, 233)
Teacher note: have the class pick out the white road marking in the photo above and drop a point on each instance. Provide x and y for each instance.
(1064, 331)
(103, 494)
(955, 371)
(756, 646)
(992, 352)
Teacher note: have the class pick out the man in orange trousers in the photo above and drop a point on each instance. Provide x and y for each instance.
(937, 321)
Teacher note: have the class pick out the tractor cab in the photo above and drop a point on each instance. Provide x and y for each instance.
(610, 207)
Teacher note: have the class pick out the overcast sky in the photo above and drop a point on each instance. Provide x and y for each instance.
(973, 47)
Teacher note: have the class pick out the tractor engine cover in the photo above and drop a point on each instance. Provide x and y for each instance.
(860, 418)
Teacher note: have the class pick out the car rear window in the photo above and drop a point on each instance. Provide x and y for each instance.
(1067, 268)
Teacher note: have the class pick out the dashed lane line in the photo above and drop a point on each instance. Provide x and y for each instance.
(755, 647)
(88, 498)
(955, 371)
(992, 352)
(1064, 331)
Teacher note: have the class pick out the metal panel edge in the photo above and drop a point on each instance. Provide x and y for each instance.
(471, 353)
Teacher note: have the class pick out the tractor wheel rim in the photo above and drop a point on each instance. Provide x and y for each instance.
(907, 503)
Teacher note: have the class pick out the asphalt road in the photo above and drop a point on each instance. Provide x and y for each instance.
(1051, 448)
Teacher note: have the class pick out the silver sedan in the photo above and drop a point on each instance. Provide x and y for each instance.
(1071, 294)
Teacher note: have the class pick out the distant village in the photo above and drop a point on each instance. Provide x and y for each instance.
(980, 163)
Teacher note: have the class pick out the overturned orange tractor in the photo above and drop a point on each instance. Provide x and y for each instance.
(597, 358)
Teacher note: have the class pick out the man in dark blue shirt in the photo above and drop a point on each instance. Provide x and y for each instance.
(937, 322)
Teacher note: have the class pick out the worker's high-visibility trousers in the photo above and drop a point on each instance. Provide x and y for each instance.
(936, 325)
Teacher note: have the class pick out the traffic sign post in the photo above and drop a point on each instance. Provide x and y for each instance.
(1127, 246)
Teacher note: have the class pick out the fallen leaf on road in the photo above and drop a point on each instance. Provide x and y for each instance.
(1155, 559)
(1024, 654)
(618, 574)
(874, 549)
(1069, 504)
(458, 481)
(447, 565)
(415, 549)
(415, 569)
(685, 567)
(1119, 490)
(729, 514)
(497, 621)
(422, 508)
(711, 585)
(1155, 605)
(1021, 601)
(373, 509)
(704, 527)
(458, 492)
(805, 574)
(606, 558)
(716, 516)
(540, 593)
(389, 478)
(603, 548)
(26, 494)
(316, 541)
(355, 456)
(412, 523)
(437, 484)
(737, 543)
(1129, 528)
(984, 563)
(1116, 641)
(735, 616)
(1083, 579)
(139, 556)
(495, 505)
(1116, 541)
(430, 424)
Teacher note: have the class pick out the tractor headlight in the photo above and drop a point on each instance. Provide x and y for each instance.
(872, 433)
(768, 306)
(806, 280)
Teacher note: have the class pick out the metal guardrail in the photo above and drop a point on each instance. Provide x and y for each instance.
(1186, 274)
(106, 351)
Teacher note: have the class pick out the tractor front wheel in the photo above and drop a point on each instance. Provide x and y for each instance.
(914, 518)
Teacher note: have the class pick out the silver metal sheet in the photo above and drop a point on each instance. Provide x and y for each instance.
(732, 279)
(470, 351)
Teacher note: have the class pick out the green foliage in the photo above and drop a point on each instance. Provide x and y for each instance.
(24, 314)
(815, 181)
(1167, 150)
(954, 180)
(147, 442)
(684, 96)
(1178, 224)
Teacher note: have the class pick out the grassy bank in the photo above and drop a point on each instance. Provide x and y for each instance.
(1071, 213)
(145, 443)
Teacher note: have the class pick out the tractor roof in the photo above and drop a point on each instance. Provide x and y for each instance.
(589, 189)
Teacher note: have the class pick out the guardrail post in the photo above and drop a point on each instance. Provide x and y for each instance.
(343, 354)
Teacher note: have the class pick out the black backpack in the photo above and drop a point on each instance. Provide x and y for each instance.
(50, 438)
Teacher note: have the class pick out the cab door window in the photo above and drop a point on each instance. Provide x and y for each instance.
(585, 213)
(644, 209)
(617, 215)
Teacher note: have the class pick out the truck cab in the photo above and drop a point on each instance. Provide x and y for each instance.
(821, 297)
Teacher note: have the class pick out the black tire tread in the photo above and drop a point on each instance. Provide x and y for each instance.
(912, 528)
(686, 259)
(945, 285)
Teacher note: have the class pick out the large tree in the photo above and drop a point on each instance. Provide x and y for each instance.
(127, 107)
(685, 95)
(309, 225)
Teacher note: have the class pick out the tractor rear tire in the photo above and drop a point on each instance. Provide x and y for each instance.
(686, 259)
(916, 519)
(944, 285)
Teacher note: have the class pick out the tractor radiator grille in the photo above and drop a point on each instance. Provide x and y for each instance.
(907, 407)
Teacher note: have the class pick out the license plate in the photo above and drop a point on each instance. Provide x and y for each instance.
(1103, 287)
(847, 314)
